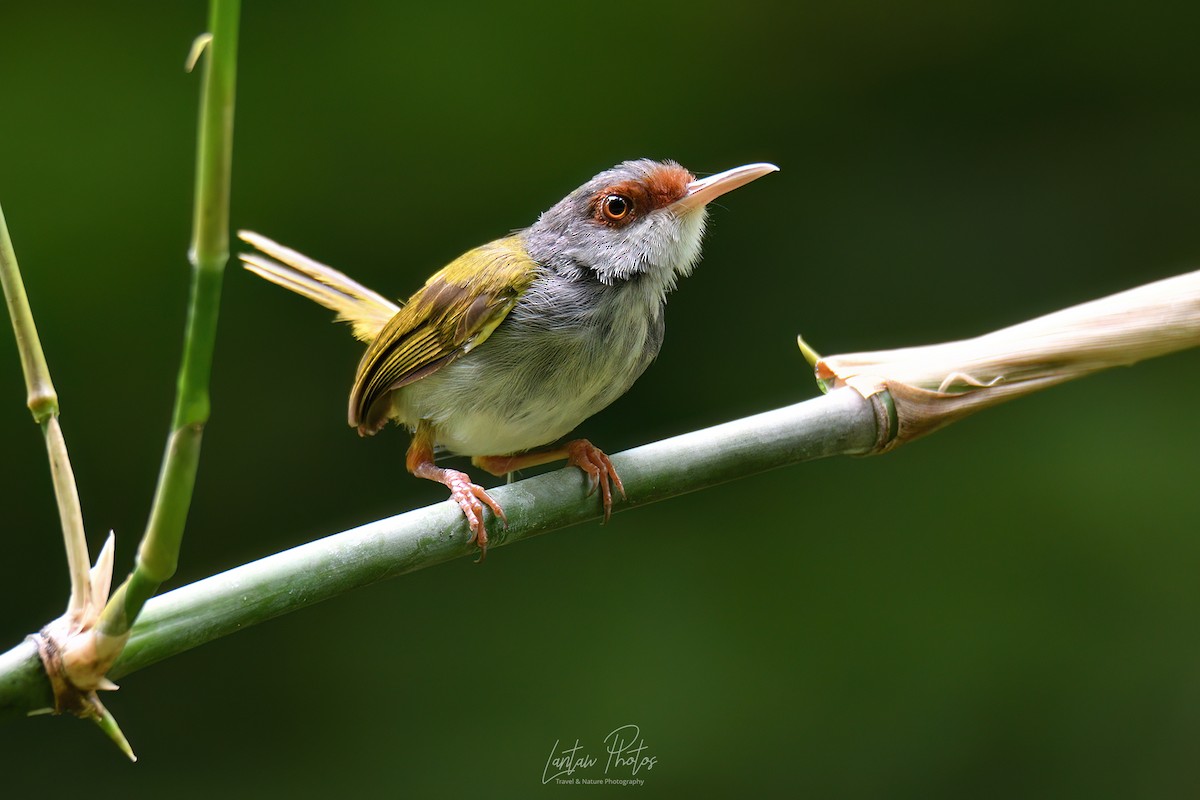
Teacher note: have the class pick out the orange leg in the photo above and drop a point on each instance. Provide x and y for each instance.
(470, 496)
(580, 453)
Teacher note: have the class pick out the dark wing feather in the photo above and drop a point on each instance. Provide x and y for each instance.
(454, 312)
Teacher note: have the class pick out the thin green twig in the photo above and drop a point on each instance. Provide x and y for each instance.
(158, 554)
(43, 404)
(42, 399)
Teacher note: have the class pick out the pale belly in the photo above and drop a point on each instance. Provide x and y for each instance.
(532, 382)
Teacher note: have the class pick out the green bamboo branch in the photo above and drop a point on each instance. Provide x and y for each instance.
(43, 404)
(75, 651)
(73, 689)
(841, 422)
(24, 688)
(864, 412)
(158, 553)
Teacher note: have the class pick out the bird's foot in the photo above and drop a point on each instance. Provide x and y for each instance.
(599, 469)
(471, 498)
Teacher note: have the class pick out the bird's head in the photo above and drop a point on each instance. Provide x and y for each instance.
(640, 219)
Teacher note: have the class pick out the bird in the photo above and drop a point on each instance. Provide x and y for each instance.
(508, 348)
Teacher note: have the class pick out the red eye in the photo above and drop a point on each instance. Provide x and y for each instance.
(616, 207)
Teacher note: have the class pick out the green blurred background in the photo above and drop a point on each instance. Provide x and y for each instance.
(1006, 609)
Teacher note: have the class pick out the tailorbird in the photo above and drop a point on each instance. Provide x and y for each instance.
(513, 344)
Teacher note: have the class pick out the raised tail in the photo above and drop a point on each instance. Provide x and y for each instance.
(365, 310)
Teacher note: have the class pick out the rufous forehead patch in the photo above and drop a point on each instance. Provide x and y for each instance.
(662, 186)
(667, 183)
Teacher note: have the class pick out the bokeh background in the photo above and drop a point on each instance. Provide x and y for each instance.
(1006, 609)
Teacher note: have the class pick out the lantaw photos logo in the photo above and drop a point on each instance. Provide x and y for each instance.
(625, 756)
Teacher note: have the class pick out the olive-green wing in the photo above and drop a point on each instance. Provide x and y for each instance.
(454, 312)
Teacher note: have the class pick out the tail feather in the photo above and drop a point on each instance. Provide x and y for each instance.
(365, 310)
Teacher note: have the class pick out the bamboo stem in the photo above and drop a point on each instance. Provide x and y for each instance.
(841, 422)
(43, 404)
(158, 553)
(837, 424)
(935, 385)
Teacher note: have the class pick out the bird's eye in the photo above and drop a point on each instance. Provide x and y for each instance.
(615, 207)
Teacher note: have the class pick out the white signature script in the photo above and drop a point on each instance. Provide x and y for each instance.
(625, 749)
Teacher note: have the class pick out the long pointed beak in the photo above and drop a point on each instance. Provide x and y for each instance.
(704, 191)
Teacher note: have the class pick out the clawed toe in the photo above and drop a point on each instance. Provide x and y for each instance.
(599, 469)
(471, 498)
